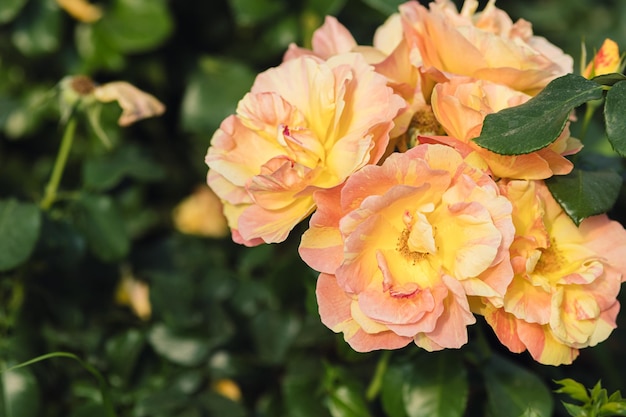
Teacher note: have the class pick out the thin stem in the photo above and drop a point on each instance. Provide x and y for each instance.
(589, 111)
(379, 373)
(59, 165)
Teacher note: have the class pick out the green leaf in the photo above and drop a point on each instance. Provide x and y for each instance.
(9, 9)
(97, 217)
(436, 386)
(615, 117)
(585, 193)
(613, 409)
(38, 29)
(574, 389)
(96, 51)
(392, 389)
(135, 26)
(20, 225)
(273, 333)
(123, 350)
(325, 7)
(386, 7)
(179, 348)
(514, 391)
(213, 92)
(251, 12)
(106, 171)
(538, 122)
(300, 388)
(347, 401)
(609, 79)
(19, 395)
(575, 410)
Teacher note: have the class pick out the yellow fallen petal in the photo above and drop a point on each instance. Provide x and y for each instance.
(81, 10)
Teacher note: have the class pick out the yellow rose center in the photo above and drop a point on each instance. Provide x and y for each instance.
(417, 239)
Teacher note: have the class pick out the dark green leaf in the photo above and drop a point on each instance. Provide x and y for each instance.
(96, 51)
(574, 389)
(213, 92)
(514, 391)
(325, 7)
(609, 79)
(123, 351)
(136, 26)
(391, 394)
(38, 28)
(538, 122)
(386, 7)
(250, 12)
(20, 224)
(217, 405)
(107, 170)
(615, 117)
(585, 193)
(346, 401)
(9, 9)
(97, 217)
(179, 348)
(301, 388)
(19, 395)
(273, 334)
(60, 244)
(437, 386)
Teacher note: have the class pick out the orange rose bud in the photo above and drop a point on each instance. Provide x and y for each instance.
(606, 61)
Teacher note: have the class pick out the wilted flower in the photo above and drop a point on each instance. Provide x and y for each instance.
(305, 125)
(201, 214)
(606, 61)
(400, 246)
(563, 295)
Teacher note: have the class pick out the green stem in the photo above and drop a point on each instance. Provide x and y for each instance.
(59, 165)
(379, 373)
(589, 111)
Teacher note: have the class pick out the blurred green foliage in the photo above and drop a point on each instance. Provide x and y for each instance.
(220, 312)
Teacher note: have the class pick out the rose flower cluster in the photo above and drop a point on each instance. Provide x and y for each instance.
(414, 228)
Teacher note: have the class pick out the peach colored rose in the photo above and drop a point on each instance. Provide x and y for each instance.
(485, 45)
(606, 61)
(330, 39)
(462, 103)
(401, 245)
(563, 295)
(305, 125)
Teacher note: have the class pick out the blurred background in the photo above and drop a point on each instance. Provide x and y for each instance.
(131, 270)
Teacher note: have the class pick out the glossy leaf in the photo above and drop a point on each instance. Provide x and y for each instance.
(615, 117)
(585, 193)
(346, 401)
(97, 217)
(9, 9)
(19, 394)
(436, 386)
(515, 391)
(213, 92)
(538, 122)
(38, 28)
(20, 225)
(179, 348)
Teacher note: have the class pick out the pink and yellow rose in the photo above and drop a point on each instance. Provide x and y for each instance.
(401, 246)
(485, 45)
(306, 125)
(563, 295)
(460, 106)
